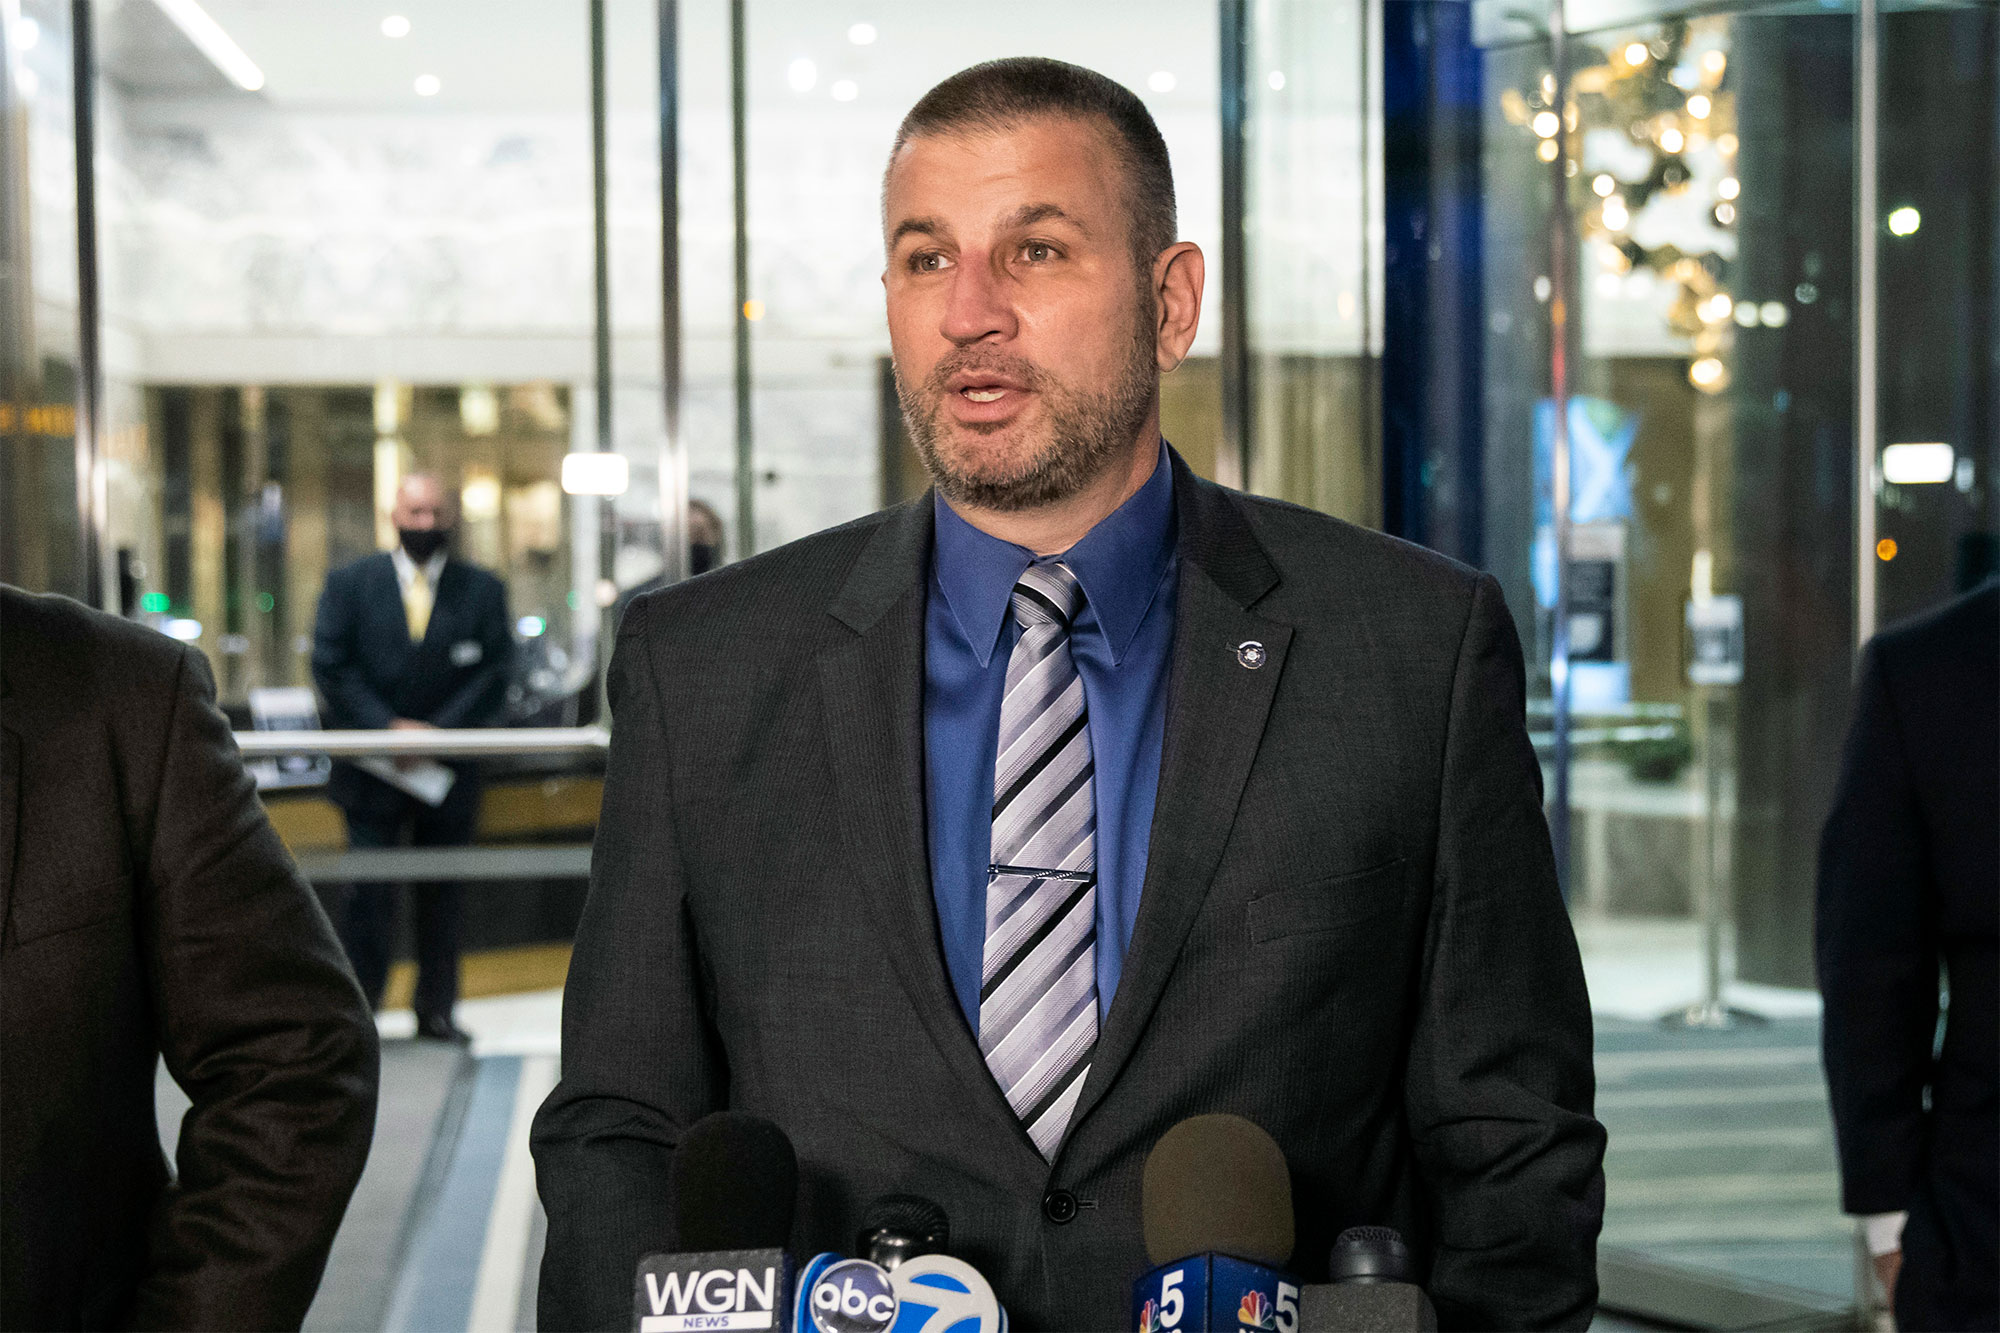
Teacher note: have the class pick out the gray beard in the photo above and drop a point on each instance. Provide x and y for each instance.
(1087, 432)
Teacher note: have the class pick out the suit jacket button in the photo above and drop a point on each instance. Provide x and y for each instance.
(1059, 1206)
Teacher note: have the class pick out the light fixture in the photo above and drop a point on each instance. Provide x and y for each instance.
(1747, 314)
(1616, 215)
(1672, 140)
(1729, 187)
(1905, 221)
(1604, 185)
(1727, 145)
(1547, 124)
(1886, 548)
(187, 631)
(845, 90)
(1716, 308)
(395, 26)
(1707, 374)
(479, 410)
(479, 498)
(1277, 80)
(1775, 314)
(1699, 106)
(1713, 63)
(1547, 150)
(753, 310)
(209, 38)
(1918, 464)
(596, 474)
(1636, 53)
(1725, 214)
(1162, 81)
(428, 85)
(802, 74)
(862, 34)
(531, 627)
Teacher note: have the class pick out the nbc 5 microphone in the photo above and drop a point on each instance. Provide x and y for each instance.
(1373, 1288)
(735, 1181)
(1216, 1199)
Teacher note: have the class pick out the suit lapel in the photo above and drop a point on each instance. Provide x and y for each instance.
(872, 685)
(1216, 711)
(10, 812)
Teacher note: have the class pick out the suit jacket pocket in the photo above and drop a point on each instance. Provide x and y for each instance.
(55, 909)
(1330, 904)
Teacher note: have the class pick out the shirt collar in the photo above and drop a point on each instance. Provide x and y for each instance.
(1120, 564)
(406, 568)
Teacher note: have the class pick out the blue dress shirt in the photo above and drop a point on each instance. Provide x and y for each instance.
(1121, 643)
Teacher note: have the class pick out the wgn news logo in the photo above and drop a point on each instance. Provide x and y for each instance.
(698, 1293)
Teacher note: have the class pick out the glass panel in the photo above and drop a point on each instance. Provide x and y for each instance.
(825, 96)
(1314, 278)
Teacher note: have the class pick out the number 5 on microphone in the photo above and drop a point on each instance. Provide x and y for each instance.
(1288, 1308)
(1161, 1309)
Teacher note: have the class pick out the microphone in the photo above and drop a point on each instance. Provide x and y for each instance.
(735, 1181)
(1373, 1289)
(904, 1285)
(1216, 1199)
(902, 1226)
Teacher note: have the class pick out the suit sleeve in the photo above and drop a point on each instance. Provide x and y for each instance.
(262, 1025)
(640, 1059)
(477, 702)
(1500, 1083)
(1878, 958)
(336, 661)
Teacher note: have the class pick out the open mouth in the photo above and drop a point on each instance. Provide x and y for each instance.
(991, 394)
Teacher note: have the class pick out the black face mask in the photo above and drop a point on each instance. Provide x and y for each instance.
(423, 543)
(701, 557)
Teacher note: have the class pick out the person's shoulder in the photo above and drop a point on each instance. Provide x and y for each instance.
(1330, 562)
(1964, 630)
(52, 646)
(343, 578)
(785, 590)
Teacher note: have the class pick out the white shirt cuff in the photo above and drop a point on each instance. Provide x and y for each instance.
(1885, 1232)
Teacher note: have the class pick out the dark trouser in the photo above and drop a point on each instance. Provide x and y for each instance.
(368, 917)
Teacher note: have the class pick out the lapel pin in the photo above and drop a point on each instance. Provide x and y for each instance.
(1251, 654)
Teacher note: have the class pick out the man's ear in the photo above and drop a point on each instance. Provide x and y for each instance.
(1178, 274)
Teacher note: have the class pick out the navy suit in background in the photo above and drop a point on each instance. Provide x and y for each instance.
(370, 672)
(1909, 878)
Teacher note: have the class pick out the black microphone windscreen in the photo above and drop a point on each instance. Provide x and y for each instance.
(1370, 1254)
(902, 1226)
(735, 1181)
(1217, 1183)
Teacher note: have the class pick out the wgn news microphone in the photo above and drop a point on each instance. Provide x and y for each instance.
(906, 1284)
(735, 1181)
(1216, 1200)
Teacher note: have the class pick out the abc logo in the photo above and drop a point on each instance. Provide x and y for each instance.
(853, 1297)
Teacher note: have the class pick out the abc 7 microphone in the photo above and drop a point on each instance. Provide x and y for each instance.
(905, 1285)
(735, 1181)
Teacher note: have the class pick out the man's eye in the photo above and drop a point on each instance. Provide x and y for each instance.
(929, 261)
(1036, 252)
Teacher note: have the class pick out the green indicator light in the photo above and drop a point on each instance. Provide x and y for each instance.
(573, 600)
(155, 601)
(265, 602)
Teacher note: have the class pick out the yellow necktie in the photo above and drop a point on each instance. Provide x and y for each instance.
(417, 605)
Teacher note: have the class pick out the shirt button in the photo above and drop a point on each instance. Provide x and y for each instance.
(1059, 1206)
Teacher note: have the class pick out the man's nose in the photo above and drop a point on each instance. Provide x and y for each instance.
(980, 305)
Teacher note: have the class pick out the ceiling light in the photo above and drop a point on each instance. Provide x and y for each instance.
(1775, 314)
(862, 34)
(1616, 215)
(1672, 140)
(1636, 53)
(1712, 63)
(802, 74)
(1161, 81)
(1905, 221)
(209, 38)
(1699, 106)
(596, 474)
(1277, 80)
(845, 90)
(1918, 464)
(395, 26)
(1547, 124)
(428, 85)
(1547, 150)
(1727, 145)
(1729, 187)
(1707, 374)
(1747, 314)
(1604, 185)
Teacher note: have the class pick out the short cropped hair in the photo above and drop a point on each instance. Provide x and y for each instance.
(1000, 94)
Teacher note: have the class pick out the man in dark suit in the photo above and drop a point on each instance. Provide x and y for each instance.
(149, 910)
(411, 639)
(979, 842)
(1909, 878)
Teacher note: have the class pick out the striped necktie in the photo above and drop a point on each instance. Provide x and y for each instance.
(1038, 986)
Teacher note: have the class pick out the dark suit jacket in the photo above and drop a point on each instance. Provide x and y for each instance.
(369, 672)
(1909, 877)
(150, 910)
(1350, 930)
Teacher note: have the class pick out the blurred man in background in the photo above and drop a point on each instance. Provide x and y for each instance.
(1909, 878)
(149, 910)
(411, 640)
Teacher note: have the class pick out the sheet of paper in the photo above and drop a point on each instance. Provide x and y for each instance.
(426, 779)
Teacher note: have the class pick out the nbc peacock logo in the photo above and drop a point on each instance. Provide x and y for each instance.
(1255, 1311)
(1149, 1317)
